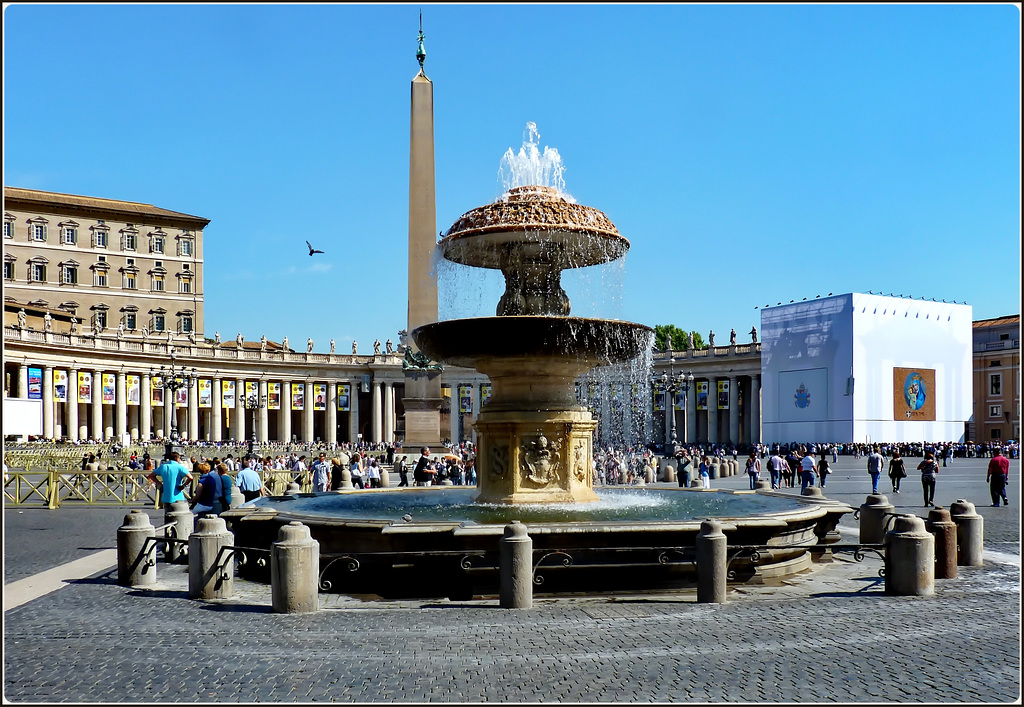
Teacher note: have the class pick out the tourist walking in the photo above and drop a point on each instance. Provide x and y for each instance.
(875, 464)
(753, 470)
(997, 477)
(320, 473)
(424, 473)
(684, 468)
(807, 469)
(373, 473)
(928, 469)
(823, 469)
(402, 470)
(897, 471)
(356, 471)
(775, 466)
(705, 473)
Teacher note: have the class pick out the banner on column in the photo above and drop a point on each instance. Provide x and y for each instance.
(134, 388)
(156, 392)
(659, 401)
(227, 394)
(35, 383)
(205, 393)
(702, 395)
(319, 396)
(723, 395)
(344, 397)
(485, 393)
(465, 398)
(615, 395)
(109, 381)
(252, 388)
(680, 401)
(298, 396)
(273, 396)
(84, 387)
(181, 397)
(60, 386)
(634, 398)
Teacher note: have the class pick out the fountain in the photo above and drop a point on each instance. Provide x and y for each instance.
(535, 456)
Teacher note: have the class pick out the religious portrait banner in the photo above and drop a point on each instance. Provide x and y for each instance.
(227, 394)
(60, 386)
(723, 395)
(319, 396)
(156, 392)
(659, 401)
(913, 394)
(133, 386)
(181, 397)
(84, 387)
(465, 398)
(205, 393)
(680, 401)
(702, 395)
(109, 381)
(344, 397)
(298, 396)
(273, 396)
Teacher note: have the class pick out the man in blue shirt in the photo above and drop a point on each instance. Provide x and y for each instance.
(170, 476)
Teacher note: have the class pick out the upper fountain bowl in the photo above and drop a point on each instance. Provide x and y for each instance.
(573, 235)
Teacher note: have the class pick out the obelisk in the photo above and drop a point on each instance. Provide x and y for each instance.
(422, 398)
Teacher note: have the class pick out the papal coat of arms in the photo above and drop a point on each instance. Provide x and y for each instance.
(802, 397)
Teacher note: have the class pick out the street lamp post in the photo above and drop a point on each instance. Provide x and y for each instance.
(671, 383)
(172, 380)
(254, 402)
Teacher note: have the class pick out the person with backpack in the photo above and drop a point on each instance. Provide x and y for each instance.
(897, 471)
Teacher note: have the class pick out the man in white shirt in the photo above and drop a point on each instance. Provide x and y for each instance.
(806, 470)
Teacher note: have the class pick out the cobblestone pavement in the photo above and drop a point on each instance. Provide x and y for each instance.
(825, 636)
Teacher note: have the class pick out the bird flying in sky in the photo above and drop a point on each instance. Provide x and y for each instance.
(312, 249)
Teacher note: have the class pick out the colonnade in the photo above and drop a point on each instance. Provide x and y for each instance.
(105, 404)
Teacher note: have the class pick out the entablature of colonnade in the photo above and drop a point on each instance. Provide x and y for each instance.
(112, 353)
(721, 362)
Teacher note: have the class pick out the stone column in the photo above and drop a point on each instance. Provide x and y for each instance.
(145, 408)
(263, 430)
(96, 429)
(691, 413)
(22, 381)
(238, 414)
(477, 403)
(375, 412)
(121, 405)
(713, 410)
(286, 410)
(73, 404)
(755, 409)
(48, 402)
(216, 412)
(307, 414)
(734, 411)
(456, 413)
(168, 412)
(331, 427)
(193, 409)
(353, 415)
(389, 411)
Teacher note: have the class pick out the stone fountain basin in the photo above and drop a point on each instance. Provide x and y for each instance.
(366, 546)
(532, 341)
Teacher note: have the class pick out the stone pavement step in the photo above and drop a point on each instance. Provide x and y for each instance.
(25, 590)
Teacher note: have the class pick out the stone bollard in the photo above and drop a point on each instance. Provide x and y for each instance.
(764, 484)
(516, 569)
(650, 476)
(713, 470)
(944, 530)
(873, 516)
(292, 488)
(211, 570)
(385, 478)
(237, 499)
(813, 491)
(136, 551)
(909, 558)
(184, 523)
(668, 473)
(734, 467)
(970, 533)
(712, 563)
(295, 570)
(346, 478)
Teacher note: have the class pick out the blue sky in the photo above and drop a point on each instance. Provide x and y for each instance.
(752, 154)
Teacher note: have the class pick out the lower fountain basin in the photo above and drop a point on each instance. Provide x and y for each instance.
(436, 542)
